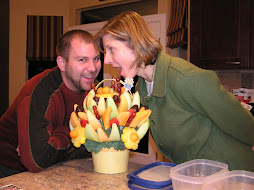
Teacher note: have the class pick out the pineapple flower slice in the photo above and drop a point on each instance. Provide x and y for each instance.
(130, 138)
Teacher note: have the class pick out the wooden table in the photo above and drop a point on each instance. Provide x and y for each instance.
(75, 174)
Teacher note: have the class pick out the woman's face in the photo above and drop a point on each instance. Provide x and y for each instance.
(119, 55)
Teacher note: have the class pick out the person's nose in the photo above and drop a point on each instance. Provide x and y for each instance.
(91, 66)
(107, 58)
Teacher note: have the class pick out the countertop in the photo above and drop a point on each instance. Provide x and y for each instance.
(76, 174)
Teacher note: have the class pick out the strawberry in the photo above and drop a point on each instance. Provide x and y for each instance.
(83, 122)
(114, 120)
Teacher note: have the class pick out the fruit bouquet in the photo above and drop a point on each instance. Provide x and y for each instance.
(110, 120)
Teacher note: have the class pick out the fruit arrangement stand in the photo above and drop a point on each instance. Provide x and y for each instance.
(75, 174)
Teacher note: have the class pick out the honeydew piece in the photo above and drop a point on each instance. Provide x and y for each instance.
(139, 117)
(93, 120)
(82, 115)
(90, 105)
(101, 106)
(111, 103)
(136, 99)
(90, 133)
(106, 117)
(74, 119)
(103, 137)
(128, 98)
(89, 96)
(123, 105)
(114, 135)
(142, 130)
(123, 118)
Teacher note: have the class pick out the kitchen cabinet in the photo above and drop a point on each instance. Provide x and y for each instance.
(222, 34)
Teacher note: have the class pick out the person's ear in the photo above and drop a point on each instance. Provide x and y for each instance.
(61, 63)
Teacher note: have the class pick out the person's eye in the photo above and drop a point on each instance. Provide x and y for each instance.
(111, 50)
(96, 59)
(82, 60)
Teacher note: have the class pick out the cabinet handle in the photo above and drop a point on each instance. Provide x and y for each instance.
(233, 63)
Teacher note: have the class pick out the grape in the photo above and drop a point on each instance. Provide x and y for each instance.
(135, 107)
(132, 115)
(130, 119)
(96, 99)
(127, 124)
(92, 85)
(119, 85)
(119, 90)
(113, 87)
(117, 79)
(112, 82)
(79, 109)
(116, 99)
(146, 107)
(97, 116)
(94, 108)
(96, 112)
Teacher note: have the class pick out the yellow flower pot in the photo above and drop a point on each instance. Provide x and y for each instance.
(111, 161)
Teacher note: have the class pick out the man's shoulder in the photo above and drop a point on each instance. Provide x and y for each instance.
(45, 78)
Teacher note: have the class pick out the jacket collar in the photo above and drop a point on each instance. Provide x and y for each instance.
(160, 77)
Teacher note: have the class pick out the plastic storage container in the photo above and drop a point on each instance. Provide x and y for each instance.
(233, 180)
(152, 176)
(191, 175)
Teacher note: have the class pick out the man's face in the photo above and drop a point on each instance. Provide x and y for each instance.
(83, 66)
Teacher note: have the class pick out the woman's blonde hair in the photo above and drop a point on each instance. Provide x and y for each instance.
(131, 28)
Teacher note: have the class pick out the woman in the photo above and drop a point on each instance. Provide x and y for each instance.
(193, 116)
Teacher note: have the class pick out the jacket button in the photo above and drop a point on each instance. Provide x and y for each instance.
(148, 100)
(152, 122)
(161, 145)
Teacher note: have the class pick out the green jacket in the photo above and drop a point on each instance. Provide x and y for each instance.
(194, 117)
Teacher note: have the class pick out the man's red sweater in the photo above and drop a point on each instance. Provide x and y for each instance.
(38, 122)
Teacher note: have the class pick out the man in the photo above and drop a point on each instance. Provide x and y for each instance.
(34, 131)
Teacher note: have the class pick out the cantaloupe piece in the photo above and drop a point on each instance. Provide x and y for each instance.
(93, 120)
(123, 118)
(107, 95)
(103, 137)
(142, 109)
(101, 106)
(74, 119)
(106, 117)
(123, 105)
(139, 117)
(82, 115)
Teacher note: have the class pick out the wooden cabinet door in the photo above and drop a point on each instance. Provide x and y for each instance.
(220, 33)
